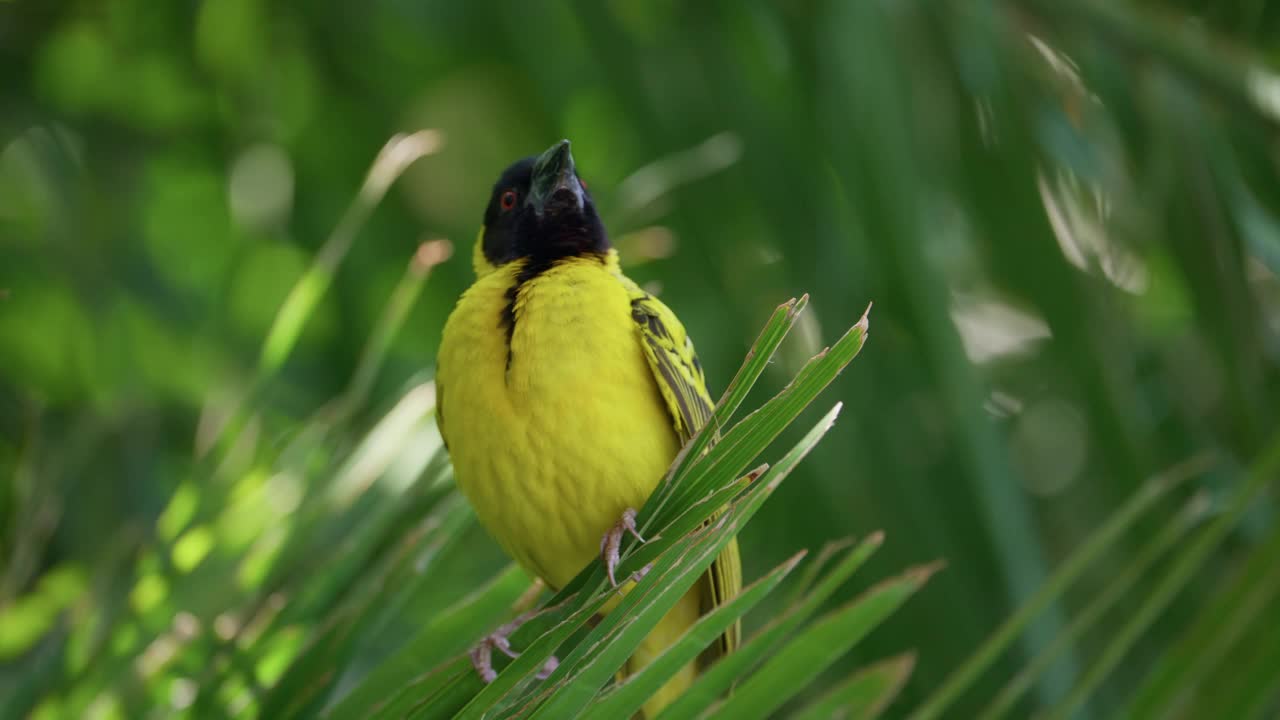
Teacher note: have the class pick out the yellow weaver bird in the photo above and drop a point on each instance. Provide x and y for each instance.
(564, 392)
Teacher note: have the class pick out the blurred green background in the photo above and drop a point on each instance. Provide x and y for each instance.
(1067, 214)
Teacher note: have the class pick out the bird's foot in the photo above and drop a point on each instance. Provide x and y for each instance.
(611, 543)
(482, 654)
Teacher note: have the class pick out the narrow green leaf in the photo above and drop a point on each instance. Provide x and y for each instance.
(403, 298)
(865, 694)
(305, 295)
(388, 325)
(316, 593)
(318, 666)
(452, 631)
(1188, 563)
(713, 480)
(813, 570)
(628, 624)
(758, 357)
(700, 511)
(830, 637)
(743, 442)
(595, 660)
(292, 317)
(383, 445)
(717, 679)
(695, 516)
(1128, 577)
(544, 634)
(762, 351)
(423, 691)
(1098, 543)
(1258, 688)
(1249, 639)
(467, 696)
(1222, 620)
(629, 696)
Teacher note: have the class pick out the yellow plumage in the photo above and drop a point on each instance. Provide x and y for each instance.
(554, 447)
(565, 394)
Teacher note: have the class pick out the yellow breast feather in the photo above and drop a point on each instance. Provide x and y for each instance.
(557, 431)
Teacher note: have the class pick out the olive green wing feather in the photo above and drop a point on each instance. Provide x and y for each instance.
(683, 386)
(674, 365)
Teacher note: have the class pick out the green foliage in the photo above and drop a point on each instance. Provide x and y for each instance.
(628, 697)
(786, 673)
(864, 694)
(302, 659)
(221, 490)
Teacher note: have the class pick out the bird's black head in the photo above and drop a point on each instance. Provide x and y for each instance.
(540, 210)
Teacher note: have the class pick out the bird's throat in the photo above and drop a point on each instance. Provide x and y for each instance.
(530, 269)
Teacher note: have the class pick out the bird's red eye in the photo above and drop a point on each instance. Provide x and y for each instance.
(508, 199)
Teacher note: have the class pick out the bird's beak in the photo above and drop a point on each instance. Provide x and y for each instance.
(555, 187)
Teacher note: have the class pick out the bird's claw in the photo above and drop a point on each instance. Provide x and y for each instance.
(482, 660)
(548, 667)
(482, 653)
(611, 543)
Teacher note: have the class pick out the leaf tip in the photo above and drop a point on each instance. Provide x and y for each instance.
(920, 575)
(905, 662)
(835, 546)
(797, 305)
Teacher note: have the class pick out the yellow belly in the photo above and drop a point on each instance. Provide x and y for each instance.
(551, 447)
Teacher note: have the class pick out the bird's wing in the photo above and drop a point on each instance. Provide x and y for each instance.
(679, 376)
(674, 364)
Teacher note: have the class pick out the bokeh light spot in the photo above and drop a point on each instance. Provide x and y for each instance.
(192, 548)
(260, 188)
(1050, 446)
